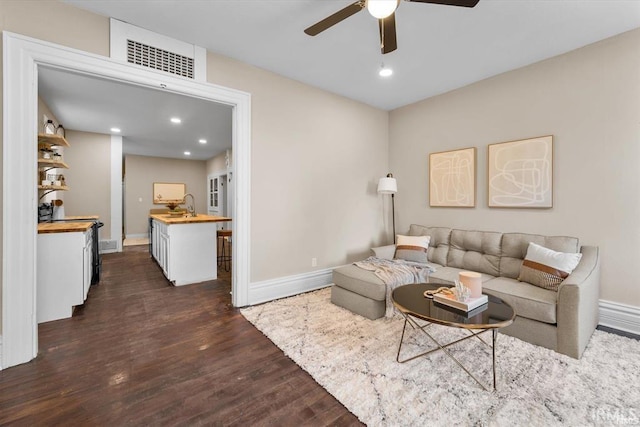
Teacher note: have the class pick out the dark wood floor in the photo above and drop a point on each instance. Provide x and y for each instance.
(141, 352)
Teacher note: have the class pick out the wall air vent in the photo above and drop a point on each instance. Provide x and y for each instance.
(147, 49)
(159, 59)
(108, 246)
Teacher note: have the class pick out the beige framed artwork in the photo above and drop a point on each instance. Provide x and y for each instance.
(168, 192)
(520, 173)
(452, 178)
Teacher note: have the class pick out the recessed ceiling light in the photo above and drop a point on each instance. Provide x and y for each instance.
(115, 130)
(385, 71)
(175, 120)
(202, 141)
(187, 153)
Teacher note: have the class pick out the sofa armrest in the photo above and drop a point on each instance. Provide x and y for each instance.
(384, 252)
(578, 309)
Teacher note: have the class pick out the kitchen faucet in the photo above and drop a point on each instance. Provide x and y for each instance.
(191, 209)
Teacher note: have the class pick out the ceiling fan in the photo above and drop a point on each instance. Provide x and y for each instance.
(384, 11)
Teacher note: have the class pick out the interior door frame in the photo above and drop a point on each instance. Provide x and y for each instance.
(21, 58)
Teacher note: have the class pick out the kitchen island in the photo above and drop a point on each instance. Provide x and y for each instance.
(185, 246)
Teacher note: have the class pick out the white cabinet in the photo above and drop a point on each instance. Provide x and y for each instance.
(185, 252)
(160, 244)
(87, 260)
(64, 269)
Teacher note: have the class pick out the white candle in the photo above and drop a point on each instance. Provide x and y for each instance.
(473, 281)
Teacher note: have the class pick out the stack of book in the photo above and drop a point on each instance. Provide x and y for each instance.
(468, 305)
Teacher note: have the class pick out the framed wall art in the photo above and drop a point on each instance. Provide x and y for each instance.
(452, 178)
(168, 192)
(520, 173)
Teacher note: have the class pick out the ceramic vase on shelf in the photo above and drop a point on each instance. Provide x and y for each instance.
(49, 128)
(60, 130)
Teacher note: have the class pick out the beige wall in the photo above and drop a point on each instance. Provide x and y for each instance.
(43, 109)
(218, 163)
(56, 22)
(89, 177)
(316, 158)
(589, 100)
(140, 174)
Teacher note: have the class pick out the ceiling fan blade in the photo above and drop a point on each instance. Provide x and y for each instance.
(332, 20)
(462, 3)
(388, 42)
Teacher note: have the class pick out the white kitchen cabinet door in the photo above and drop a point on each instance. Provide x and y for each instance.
(87, 263)
(61, 274)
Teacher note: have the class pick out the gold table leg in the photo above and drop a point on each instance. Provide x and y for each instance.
(415, 325)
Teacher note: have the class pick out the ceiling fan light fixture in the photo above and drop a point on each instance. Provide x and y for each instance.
(381, 8)
(385, 71)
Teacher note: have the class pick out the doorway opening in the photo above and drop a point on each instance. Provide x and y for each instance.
(22, 57)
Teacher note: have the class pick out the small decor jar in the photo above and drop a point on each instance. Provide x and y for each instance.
(60, 130)
(49, 127)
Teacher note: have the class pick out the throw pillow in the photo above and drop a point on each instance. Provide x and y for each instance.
(547, 268)
(412, 248)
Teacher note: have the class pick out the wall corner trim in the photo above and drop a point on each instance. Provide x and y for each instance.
(281, 287)
(620, 316)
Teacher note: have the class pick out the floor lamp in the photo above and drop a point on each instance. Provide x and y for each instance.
(388, 185)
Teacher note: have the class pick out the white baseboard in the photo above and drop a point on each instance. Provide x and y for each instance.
(137, 236)
(620, 316)
(281, 287)
(0, 352)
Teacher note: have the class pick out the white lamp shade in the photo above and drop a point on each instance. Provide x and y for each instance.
(381, 8)
(387, 186)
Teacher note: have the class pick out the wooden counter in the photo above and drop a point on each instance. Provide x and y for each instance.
(64, 227)
(187, 219)
(82, 217)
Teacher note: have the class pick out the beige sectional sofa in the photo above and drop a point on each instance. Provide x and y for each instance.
(562, 321)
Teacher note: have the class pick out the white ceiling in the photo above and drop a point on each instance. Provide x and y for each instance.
(93, 104)
(440, 48)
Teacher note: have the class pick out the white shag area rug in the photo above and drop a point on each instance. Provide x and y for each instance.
(354, 359)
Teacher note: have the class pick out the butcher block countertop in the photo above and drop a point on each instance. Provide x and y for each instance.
(82, 217)
(188, 219)
(64, 227)
(67, 227)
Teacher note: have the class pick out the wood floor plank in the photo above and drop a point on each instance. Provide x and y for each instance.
(142, 352)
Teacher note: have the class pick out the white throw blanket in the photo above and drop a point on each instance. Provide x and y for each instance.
(394, 273)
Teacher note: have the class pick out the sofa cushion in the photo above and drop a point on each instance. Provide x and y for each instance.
(547, 268)
(527, 300)
(475, 251)
(448, 275)
(515, 245)
(412, 248)
(438, 244)
(360, 281)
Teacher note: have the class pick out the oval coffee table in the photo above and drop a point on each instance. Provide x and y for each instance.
(412, 304)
